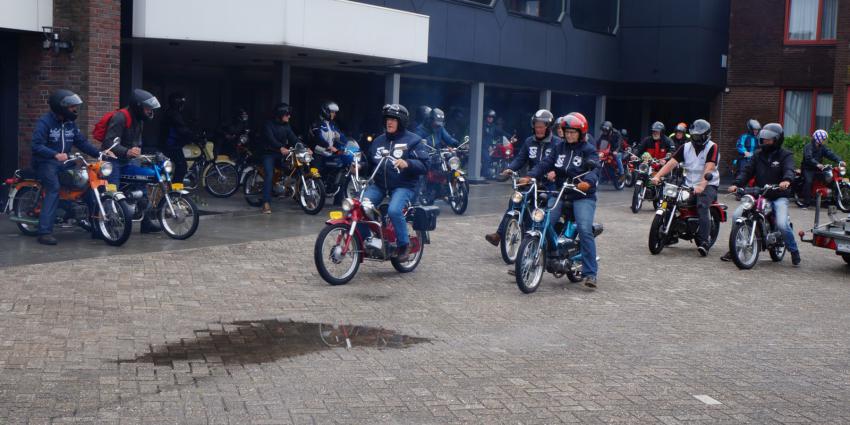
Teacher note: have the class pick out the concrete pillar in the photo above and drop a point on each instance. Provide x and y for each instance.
(476, 130)
(283, 82)
(392, 88)
(546, 99)
(599, 113)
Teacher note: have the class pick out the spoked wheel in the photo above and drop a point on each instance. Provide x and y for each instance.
(182, 222)
(509, 245)
(618, 181)
(630, 179)
(461, 198)
(575, 276)
(335, 335)
(843, 194)
(529, 265)
(715, 228)
(417, 249)
(777, 253)
(115, 227)
(846, 258)
(656, 236)
(25, 205)
(221, 179)
(336, 261)
(253, 189)
(744, 254)
(312, 196)
(637, 199)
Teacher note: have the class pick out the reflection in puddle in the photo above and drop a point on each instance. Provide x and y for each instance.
(265, 341)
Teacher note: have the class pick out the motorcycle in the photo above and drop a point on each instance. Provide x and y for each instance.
(678, 218)
(447, 181)
(337, 176)
(550, 246)
(644, 189)
(303, 183)
(756, 229)
(631, 169)
(218, 178)
(609, 169)
(829, 183)
(501, 155)
(218, 175)
(517, 219)
(111, 219)
(154, 199)
(345, 242)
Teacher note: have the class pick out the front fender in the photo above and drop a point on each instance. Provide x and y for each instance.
(659, 211)
(118, 196)
(512, 213)
(534, 233)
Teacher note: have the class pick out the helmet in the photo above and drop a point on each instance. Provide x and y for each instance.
(700, 132)
(753, 125)
(140, 100)
(576, 121)
(177, 100)
(241, 114)
(423, 112)
(282, 109)
(624, 133)
(559, 122)
(60, 100)
(657, 126)
(491, 113)
(819, 136)
(437, 116)
(543, 116)
(327, 108)
(775, 132)
(682, 126)
(606, 127)
(398, 112)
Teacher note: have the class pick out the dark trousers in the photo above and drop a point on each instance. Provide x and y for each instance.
(704, 201)
(809, 177)
(48, 175)
(270, 161)
(175, 154)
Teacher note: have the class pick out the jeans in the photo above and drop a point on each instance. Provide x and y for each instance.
(783, 221)
(619, 158)
(399, 199)
(583, 211)
(704, 201)
(270, 161)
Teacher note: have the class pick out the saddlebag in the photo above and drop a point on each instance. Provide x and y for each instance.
(425, 218)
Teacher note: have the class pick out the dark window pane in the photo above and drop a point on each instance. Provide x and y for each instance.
(595, 15)
(550, 10)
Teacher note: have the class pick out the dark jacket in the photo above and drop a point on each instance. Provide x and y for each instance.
(176, 132)
(491, 133)
(613, 138)
(130, 137)
(813, 155)
(278, 135)
(52, 136)
(532, 152)
(407, 146)
(436, 139)
(772, 168)
(568, 161)
(648, 145)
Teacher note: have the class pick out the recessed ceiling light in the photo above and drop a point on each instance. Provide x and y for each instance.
(356, 60)
(173, 43)
(302, 55)
(239, 46)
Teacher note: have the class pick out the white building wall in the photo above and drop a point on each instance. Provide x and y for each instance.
(26, 15)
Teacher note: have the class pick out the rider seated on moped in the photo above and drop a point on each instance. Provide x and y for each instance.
(657, 144)
(813, 155)
(610, 138)
(399, 176)
(277, 139)
(770, 165)
(568, 160)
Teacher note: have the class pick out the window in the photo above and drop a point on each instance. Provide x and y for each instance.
(548, 10)
(596, 15)
(802, 108)
(481, 2)
(811, 21)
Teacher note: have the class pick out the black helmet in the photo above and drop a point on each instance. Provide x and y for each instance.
(606, 127)
(545, 117)
(700, 132)
(177, 100)
(60, 100)
(657, 126)
(398, 112)
(327, 108)
(773, 131)
(437, 116)
(624, 133)
(281, 109)
(754, 125)
(491, 113)
(423, 113)
(241, 114)
(140, 100)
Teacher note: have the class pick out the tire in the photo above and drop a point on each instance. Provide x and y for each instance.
(415, 259)
(843, 193)
(618, 182)
(461, 199)
(715, 228)
(656, 239)
(511, 240)
(529, 273)
(846, 258)
(185, 223)
(26, 200)
(320, 258)
(656, 202)
(221, 179)
(118, 225)
(637, 199)
(312, 204)
(575, 277)
(253, 189)
(777, 253)
(631, 178)
(748, 256)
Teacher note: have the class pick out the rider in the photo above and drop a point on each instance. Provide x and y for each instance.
(141, 108)
(770, 165)
(325, 134)
(55, 133)
(680, 136)
(176, 134)
(609, 137)
(278, 138)
(398, 176)
(747, 144)
(657, 144)
(568, 160)
(434, 132)
(240, 121)
(535, 148)
(491, 135)
(700, 157)
(813, 155)
(423, 112)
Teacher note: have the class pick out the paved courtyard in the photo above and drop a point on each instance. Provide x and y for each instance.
(231, 332)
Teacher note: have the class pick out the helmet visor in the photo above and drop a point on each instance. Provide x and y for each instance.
(152, 103)
(72, 100)
(768, 134)
(333, 107)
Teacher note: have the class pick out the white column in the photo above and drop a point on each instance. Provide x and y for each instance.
(392, 88)
(599, 115)
(546, 99)
(476, 130)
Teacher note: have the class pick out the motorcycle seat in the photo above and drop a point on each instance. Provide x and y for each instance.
(28, 174)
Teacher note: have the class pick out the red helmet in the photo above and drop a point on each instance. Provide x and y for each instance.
(575, 121)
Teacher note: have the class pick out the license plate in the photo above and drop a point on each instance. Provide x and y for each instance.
(111, 188)
(664, 205)
(314, 170)
(842, 246)
(335, 215)
(177, 186)
(457, 173)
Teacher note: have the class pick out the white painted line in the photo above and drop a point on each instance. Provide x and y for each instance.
(707, 400)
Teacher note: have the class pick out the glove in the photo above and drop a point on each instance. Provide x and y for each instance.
(583, 186)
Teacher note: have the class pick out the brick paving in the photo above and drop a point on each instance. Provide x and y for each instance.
(229, 334)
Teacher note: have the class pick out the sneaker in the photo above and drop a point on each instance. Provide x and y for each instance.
(727, 256)
(703, 250)
(47, 239)
(512, 272)
(402, 254)
(590, 282)
(493, 238)
(795, 258)
(804, 207)
(267, 209)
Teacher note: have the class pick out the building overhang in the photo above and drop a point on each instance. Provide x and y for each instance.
(29, 15)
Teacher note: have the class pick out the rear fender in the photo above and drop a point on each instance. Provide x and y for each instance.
(720, 210)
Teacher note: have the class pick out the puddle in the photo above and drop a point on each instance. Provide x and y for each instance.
(252, 342)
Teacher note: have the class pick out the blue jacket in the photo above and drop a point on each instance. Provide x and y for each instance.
(567, 160)
(747, 143)
(407, 146)
(436, 139)
(533, 151)
(52, 137)
(324, 134)
(492, 133)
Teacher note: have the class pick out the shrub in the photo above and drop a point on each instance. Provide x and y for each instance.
(838, 142)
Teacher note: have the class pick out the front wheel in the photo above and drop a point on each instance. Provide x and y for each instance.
(745, 254)
(618, 181)
(117, 223)
(656, 236)
(253, 189)
(631, 178)
(312, 196)
(529, 265)
(846, 258)
(181, 222)
(460, 201)
(415, 245)
(637, 199)
(509, 245)
(335, 266)
(221, 179)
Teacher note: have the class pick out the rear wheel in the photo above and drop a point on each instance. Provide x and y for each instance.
(715, 228)
(744, 254)
(509, 244)
(843, 194)
(529, 265)
(417, 249)
(460, 201)
(221, 179)
(777, 253)
(336, 267)
(183, 221)
(117, 223)
(656, 237)
(253, 189)
(25, 206)
(846, 258)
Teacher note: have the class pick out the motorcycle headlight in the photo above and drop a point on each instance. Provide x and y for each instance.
(507, 152)
(454, 163)
(643, 168)
(106, 169)
(168, 166)
(347, 205)
(748, 202)
(670, 190)
(538, 215)
(516, 197)
(685, 195)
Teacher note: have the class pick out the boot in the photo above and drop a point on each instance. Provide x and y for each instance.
(493, 238)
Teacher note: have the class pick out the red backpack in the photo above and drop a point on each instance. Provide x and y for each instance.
(99, 132)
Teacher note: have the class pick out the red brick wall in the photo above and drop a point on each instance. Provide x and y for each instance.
(92, 70)
(842, 64)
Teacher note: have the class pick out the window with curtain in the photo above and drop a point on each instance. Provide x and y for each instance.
(595, 15)
(823, 111)
(805, 111)
(549, 10)
(804, 17)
